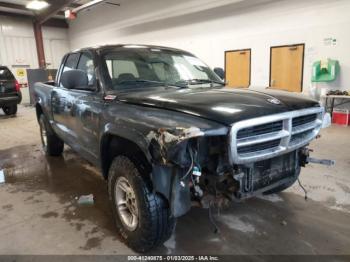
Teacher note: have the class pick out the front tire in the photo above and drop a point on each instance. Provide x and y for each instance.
(142, 217)
(52, 144)
(10, 110)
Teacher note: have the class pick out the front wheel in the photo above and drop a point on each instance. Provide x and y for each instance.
(52, 144)
(10, 110)
(142, 217)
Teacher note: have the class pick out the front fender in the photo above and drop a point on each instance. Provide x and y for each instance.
(128, 133)
(163, 136)
(157, 132)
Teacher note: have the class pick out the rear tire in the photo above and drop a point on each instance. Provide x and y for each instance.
(10, 110)
(154, 224)
(52, 144)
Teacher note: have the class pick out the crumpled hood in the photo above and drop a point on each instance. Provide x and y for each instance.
(223, 105)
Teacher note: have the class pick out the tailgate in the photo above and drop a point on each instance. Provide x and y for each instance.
(7, 87)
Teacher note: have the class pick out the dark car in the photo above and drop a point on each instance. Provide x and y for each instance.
(10, 93)
(166, 133)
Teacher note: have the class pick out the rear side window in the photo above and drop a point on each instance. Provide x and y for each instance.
(86, 64)
(5, 74)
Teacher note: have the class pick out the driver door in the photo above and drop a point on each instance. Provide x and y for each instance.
(86, 111)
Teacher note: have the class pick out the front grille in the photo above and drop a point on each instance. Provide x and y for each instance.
(301, 120)
(266, 137)
(258, 147)
(300, 136)
(260, 129)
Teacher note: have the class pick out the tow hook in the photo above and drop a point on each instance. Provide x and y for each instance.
(326, 162)
(305, 158)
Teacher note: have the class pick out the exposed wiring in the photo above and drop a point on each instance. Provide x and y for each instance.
(303, 188)
(191, 167)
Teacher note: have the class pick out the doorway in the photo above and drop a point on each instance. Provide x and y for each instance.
(286, 67)
(238, 67)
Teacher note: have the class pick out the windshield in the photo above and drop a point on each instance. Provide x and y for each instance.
(143, 67)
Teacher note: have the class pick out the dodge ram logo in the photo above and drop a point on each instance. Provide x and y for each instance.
(274, 101)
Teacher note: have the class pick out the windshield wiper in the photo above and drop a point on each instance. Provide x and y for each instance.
(200, 81)
(150, 81)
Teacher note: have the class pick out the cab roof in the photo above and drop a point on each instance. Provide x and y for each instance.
(129, 46)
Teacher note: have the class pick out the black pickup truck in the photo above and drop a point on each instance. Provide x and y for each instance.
(167, 133)
(10, 93)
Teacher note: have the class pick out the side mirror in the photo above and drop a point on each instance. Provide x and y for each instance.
(220, 72)
(75, 79)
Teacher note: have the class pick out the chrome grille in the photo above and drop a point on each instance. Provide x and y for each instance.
(298, 121)
(260, 129)
(266, 137)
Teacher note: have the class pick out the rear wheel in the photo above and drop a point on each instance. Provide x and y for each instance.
(52, 144)
(142, 217)
(10, 110)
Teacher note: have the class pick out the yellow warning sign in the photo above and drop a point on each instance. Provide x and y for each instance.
(20, 72)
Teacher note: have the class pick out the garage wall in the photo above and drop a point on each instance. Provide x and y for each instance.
(18, 48)
(208, 28)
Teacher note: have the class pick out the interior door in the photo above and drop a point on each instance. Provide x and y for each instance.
(286, 67)
(237, 68)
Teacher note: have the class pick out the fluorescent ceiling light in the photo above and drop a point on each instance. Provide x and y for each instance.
(37, 5)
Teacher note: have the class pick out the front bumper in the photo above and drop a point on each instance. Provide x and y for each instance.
(265, 175)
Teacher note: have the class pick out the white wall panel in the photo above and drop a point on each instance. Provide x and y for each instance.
(54, 50)
(20, 51)
(208, 28)
(18, 47)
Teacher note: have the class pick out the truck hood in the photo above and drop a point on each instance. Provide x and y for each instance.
(223, 105)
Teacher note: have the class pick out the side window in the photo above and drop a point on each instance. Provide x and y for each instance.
(59, 72)
(71, 63)
(86, 64)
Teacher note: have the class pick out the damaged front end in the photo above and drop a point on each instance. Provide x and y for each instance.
(178, 155)
(256, 156)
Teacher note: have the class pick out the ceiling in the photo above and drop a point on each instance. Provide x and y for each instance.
(52, 15)
(19, 6)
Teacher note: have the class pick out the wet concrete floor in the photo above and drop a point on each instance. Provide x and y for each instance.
(39, 214)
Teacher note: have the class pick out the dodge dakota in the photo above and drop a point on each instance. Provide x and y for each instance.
(166, 133)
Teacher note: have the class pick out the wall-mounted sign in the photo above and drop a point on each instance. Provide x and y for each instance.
(20, 72)
(329, 41)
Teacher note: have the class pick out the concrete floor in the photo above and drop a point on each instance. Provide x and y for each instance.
(39, 213)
